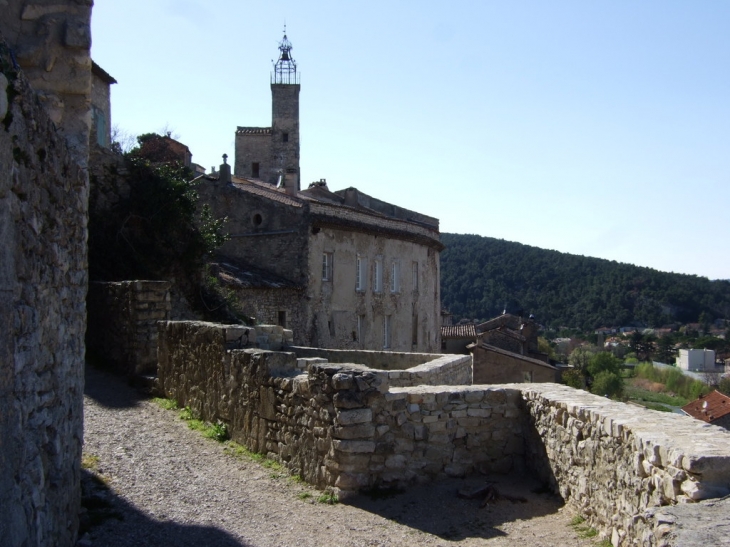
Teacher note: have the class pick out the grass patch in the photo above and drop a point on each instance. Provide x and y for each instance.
(217, 431)
(89, 461)
(328, 498)
(167, 404)
(576, 520)
(654, 406)
(304, 495)
(604, 543)
(587, 532)
(640, 394)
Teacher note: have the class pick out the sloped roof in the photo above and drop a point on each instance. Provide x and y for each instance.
(266, 190)
(708, 408)
(495, 349)
(459, 331)
(243, 276)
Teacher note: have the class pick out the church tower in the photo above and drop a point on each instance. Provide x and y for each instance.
(285, 114)
(271, 154)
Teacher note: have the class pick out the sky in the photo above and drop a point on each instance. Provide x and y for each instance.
(592, 128)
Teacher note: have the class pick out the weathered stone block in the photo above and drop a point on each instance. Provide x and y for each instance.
(358, 416)
(354, 446)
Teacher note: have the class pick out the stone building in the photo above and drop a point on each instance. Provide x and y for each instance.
(101, 110)
(341, 269)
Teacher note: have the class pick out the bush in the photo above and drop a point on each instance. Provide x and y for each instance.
(574, 378)
(607, 383)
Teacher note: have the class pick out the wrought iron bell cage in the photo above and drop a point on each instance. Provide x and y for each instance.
(285, 69)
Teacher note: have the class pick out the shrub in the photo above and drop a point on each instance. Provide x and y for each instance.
(607, 383)
(574, 378)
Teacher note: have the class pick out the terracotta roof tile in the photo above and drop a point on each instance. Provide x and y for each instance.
(253, 130)
(708, 408)
(459, 331)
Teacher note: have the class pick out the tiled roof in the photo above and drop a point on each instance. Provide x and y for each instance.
(494, 349)
(247, 277)
(266, 190)
(459, 331)
(708, 408)
(253, 130)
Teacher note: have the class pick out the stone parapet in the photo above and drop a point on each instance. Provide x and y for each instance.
(403, 368)
(617, 463)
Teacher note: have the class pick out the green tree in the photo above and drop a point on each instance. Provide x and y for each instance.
(544, 346)
(608, 383)
(580, 357)
(604, 362)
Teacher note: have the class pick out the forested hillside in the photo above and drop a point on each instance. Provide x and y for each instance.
(481, 276)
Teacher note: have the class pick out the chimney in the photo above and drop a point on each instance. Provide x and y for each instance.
(225, 172)
(291, 181)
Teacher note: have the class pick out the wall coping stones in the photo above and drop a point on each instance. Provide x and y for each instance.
(666, 439)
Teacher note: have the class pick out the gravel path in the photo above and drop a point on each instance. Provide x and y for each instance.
(153, 482)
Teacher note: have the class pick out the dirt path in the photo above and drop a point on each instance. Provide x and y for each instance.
(167, 485)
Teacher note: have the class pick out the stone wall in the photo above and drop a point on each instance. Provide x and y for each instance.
(345, 427)
(52, 42)
(338, 426)
(617, 463)
(43, 201)
(123, 323)
(403, 369)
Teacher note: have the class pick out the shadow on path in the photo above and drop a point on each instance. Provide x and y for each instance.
(436, 509)
(110, 389)
(109, 521)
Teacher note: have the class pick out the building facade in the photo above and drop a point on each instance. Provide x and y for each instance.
(696, 359)
(340, 274)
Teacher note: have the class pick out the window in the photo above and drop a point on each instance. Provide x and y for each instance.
(415, 276)
(414, 330)
(326, 266)
(378, 275)
(395, 277)
(255, 170)
(282, 318)
(285, 137)
(361, 274)
(360, 327)
(386, 332)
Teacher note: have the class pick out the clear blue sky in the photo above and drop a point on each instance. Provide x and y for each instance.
(595, 128)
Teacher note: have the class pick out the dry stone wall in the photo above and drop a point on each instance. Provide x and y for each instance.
(617, 463)
(344, 427)
(123, 322)
(43, 203)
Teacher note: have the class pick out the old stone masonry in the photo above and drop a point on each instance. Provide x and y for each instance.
(344, 426)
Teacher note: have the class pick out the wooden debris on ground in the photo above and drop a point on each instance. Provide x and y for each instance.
(488, 494)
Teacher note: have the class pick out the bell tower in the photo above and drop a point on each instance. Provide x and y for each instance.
(285, 119)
